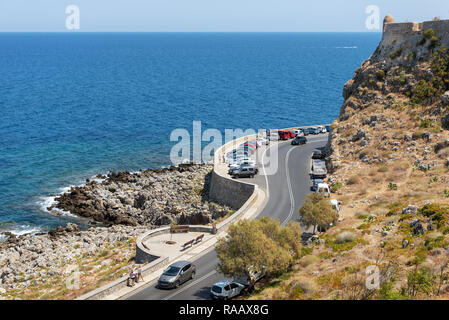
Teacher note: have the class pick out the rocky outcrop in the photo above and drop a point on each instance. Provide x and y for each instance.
(31, 259)
(150, 197)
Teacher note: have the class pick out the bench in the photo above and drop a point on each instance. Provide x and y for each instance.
(180, 229)
(188, 243)
(199, 238)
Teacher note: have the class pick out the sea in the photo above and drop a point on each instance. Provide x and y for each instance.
(73, 105)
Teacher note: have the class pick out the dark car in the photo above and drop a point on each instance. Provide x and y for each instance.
(305, 131)
(299, 140)
(176, 274)
(317, 154)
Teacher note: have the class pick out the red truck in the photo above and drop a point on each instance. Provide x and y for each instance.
(285, 135)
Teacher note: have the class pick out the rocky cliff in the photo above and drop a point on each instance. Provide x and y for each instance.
(388, 154)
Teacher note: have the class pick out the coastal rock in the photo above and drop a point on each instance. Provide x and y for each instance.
(150, 197)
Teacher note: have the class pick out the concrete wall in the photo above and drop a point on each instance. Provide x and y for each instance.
(229, 192)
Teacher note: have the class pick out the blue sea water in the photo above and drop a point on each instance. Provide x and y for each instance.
(76, 104)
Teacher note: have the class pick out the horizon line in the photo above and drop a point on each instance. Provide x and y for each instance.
(74, 32)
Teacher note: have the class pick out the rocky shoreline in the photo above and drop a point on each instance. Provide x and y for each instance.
(126, 204)
(150, 197)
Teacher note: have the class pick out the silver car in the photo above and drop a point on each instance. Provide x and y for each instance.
(176, 274)
(226, 289)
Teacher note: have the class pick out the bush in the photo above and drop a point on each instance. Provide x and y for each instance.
(353, 180)
(345, 236)
(382, 169)
(336, 186)
(396, 54)
(308, 260)
(429, 34)
(424, 92)
(420, 281)
(392, 186)
(380, 75)
(317, 211)
(437, 213)
(411, 55)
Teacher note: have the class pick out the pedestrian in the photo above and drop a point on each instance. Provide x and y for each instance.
(132, 278)
(139, 274)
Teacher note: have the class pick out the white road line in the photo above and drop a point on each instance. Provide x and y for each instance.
(289, 186)
(190, 285)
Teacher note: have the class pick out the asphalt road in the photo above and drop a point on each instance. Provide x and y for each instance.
(286, 189)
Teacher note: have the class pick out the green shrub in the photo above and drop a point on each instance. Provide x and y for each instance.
(425, 123)
(396, 54)
(420, 281)
(429, 34)
(437, 213)
(424, 92)
(392, 186)
(411, 55)
(380, 75)
(336, 186)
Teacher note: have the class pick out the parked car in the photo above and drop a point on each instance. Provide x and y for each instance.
(317, 154)
(244, 171)
(319, 169)
(254, 277)
(314, 130)
(226, 289)
(328, 128)
(284, 135)
(299, 140)
(298, 132)
(323, 188)
(305, 131)
(176, 274)
(323, 130)
(274, 136)
(244, 163)
(264, 141)
(315, 183)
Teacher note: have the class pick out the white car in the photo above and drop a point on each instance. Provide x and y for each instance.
(298, 133)
(264, 141)
(226, 289)
(323, 188)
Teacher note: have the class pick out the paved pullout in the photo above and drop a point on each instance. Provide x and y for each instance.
(286, 192)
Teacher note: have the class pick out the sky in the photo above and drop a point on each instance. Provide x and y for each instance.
(211, 15)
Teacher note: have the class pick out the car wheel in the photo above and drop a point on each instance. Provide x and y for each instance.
(192, 276)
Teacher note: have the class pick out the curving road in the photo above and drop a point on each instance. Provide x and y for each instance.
(286, 191)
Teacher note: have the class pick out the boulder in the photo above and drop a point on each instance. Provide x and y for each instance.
(359, 135)
(410, 210)
(418, 228)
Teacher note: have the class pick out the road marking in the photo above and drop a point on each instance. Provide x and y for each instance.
(289, 186)
(190, 285)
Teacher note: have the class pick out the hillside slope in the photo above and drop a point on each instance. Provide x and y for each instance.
(388, 155)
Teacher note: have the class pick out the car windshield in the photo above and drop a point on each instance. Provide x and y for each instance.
(171, 271)
(216, 289)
